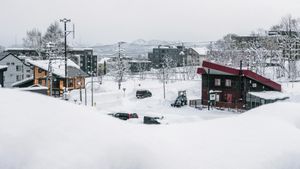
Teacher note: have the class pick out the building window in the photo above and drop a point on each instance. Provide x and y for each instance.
(12, 63)
(254, 85)
(7, 63)
(228, 83)
(217, 82)
(18, 68)
(28, 70)
(18, 77)
(40, 70)
(71, 82)
(27, 76)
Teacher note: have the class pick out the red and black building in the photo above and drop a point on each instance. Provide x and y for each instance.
(228, 87)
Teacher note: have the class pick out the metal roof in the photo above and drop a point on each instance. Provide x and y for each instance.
(221, 69)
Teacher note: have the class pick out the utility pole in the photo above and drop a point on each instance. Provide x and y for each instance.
(65, 21)
(164, 83)
(120, 65)
(50, 70)
(119, 60)
(208, 89)
(92, 88)
(80, 91)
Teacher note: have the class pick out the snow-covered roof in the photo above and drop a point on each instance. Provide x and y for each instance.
(34, 87)
(58, 66)
(140, 61)
(270, 95)
(80, 49)
(18, 49)
(104, 60)
(3, 67)
(22, 81)
(201, 51)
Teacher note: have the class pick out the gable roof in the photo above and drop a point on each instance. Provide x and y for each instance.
(217, 68)
(58, 67)
(201, 50)
(17, 57)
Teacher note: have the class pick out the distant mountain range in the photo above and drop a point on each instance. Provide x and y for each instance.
(138, 48)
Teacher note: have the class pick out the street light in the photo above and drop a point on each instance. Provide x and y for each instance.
(92, 94)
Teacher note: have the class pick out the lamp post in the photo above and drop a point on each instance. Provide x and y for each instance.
(85, 93)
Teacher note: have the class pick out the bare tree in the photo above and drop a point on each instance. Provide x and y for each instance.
(288, 40)
(54, 34)
(33, 39)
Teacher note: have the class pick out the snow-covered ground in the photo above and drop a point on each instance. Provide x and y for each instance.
(108, 98)
(41, 132)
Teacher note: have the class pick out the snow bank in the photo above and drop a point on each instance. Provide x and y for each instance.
(41, 132)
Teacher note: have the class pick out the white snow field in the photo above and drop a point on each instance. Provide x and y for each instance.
(108, 98)
(37, 132)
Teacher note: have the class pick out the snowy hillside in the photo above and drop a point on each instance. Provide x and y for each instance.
(41, 132)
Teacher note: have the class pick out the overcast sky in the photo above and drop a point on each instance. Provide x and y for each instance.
(109, 21)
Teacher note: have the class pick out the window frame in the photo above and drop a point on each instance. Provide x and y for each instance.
(228, 82)
(217, 82)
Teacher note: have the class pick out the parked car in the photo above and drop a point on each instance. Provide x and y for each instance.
(180, 101)
(124, 116)
(152, 120)
(140, 94)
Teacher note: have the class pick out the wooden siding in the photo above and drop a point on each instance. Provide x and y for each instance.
(40, 77)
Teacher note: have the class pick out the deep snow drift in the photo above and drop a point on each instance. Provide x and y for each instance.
(41, 132)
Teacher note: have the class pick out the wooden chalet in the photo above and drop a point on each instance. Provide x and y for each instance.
(228, 87)
(76, 77)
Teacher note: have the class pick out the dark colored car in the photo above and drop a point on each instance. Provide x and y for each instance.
(180, 101)
(140, 94)
(151, 120)
(125, 116)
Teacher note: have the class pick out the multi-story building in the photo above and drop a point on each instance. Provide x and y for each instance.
(174, 56)
(85, 58)
(139, 65)
(17, 69)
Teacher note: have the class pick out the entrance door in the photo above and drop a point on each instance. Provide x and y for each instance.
(229, 98)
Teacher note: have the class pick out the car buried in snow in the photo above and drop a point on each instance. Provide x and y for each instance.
(124, 116)
(153, 120)
(141, 94)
